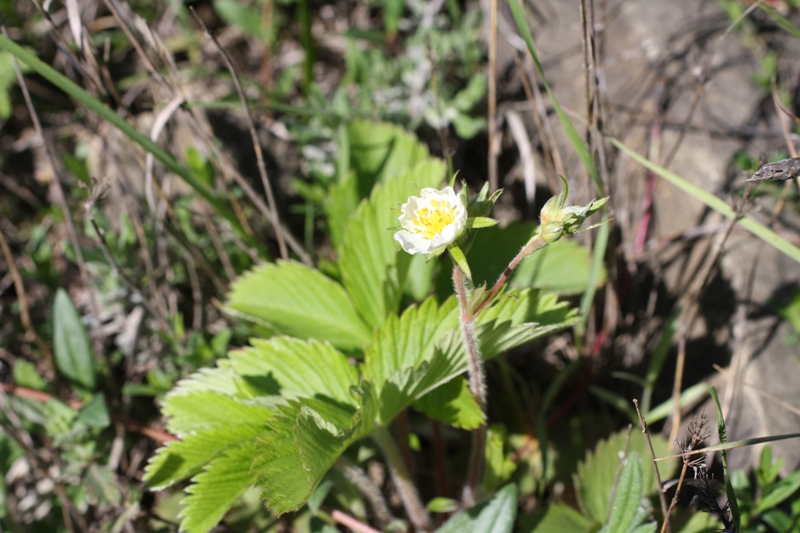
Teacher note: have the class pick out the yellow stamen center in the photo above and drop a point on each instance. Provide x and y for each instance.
(431, 222)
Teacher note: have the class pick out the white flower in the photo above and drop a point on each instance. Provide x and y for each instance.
(431, 221)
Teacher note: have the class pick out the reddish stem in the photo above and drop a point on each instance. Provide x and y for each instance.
(132, 425)
(535, 244)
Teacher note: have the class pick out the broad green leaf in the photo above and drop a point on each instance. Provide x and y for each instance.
(561, 518)
(495, 516)
(293, 367)
(377, 151)
(221, 380)
(381, 150)
(305, 440)
(342, 204)
(453, 404)
(301, 302)
(198, 411)
(499, 328)
(71, 347)
(408, 340)
(563, 266)
(595, 476)
(373, 270)
(216, 489)
(628, 514)
(180, 459)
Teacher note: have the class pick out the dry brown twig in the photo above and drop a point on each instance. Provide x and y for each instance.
(22, 300)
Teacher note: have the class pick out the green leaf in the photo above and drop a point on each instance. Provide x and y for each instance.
(561, 518)
(453, 404)
(377, 151)
(380, 150)
(301, 302)
(498, 466)
(246, 18)
(297, 368)
(442, 505)
(305, 440)
(481, 222)
(217, 488)
(779, 492)
(595, 475)
(95, 413)
(71, 347)
(221, 380)
(627, 512)
(506, 325)
(458, 256)
(180, 459)
(99, 480)
(495, 516)
(408, 340)
(27, 375)
(341, 205)
(372, 272)
(198, 411)
(563, 266)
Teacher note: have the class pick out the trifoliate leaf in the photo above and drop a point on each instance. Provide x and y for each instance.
(301, 302)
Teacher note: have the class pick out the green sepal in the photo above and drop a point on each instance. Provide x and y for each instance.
(481, 222)
(482, 203)
(453, 179)
(460, 259)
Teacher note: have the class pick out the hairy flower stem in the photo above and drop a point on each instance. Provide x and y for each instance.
(477, 385)
(535, 244)
(402, 480)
